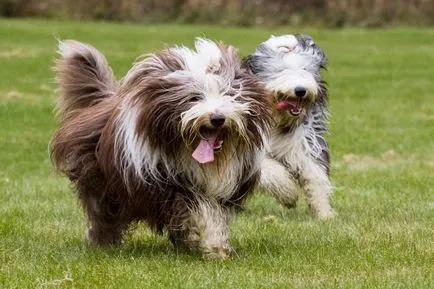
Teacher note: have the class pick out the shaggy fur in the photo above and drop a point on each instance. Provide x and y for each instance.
(290, 67)
(127, 147)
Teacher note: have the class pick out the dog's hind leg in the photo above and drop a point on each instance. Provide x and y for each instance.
(104, 236)
(277, 181)
(104, 212)
(106, 228)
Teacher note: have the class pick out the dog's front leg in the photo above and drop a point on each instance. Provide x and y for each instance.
(279, 182)
(210, 220)
(316, 184)
(204, 226)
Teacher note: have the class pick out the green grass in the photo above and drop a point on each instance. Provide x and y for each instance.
(382, 129)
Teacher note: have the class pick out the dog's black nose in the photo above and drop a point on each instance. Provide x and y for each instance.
(217, 119)
(300, 91)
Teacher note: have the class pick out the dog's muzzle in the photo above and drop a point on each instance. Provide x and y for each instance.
(211, 140)
(293, 104)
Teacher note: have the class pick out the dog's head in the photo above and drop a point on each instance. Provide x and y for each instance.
(290, 67)
(197, 103)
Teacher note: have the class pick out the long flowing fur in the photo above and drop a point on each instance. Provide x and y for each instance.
(83, 75)
(128, 147)
(297, 149)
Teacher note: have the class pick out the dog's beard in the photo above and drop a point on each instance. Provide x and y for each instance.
(284, 118)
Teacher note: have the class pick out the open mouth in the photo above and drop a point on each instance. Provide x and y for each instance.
(294, 106)
(209, 144)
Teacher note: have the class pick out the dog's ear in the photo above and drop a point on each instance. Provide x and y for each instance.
(321, 57)
(324, 61)
(307, 41)
(248, 64)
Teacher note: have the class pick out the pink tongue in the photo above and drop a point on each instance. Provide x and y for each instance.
(286, 104)
(204, 153)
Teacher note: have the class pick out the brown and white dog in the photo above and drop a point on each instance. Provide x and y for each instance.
(290, 66)
(177, 142)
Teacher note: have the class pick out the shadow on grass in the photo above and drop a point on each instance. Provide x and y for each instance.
(133, 247)
(260, 233)
(160, 248)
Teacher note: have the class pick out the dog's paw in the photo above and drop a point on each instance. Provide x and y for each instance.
(100, 238)
(217, 252)
(290, 205)
(326, 215)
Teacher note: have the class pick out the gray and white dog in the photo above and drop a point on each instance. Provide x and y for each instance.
(290, 65)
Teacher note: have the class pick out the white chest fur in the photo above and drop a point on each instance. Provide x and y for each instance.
(292, 149)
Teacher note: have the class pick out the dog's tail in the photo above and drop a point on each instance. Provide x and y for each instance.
(83, 75)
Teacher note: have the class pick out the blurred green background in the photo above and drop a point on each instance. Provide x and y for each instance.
(332, 13)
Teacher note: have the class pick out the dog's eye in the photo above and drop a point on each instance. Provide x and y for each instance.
(194, 98)
(284, 49)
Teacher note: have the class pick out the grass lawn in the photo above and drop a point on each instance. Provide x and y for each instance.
(382, 143)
